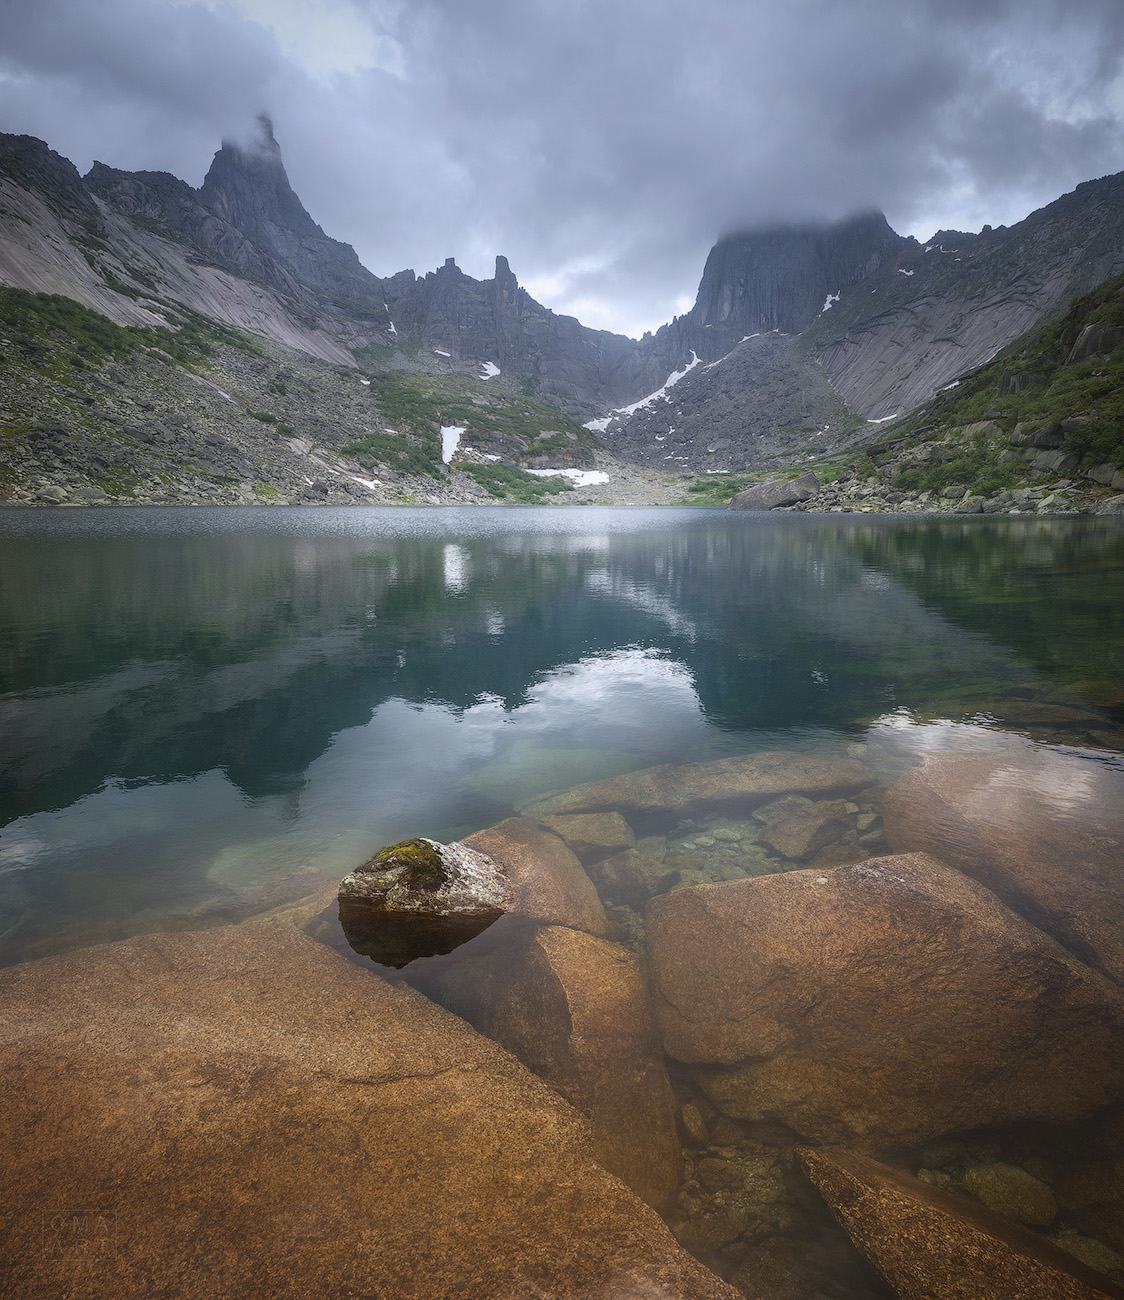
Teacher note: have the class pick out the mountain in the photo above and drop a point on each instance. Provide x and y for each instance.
(878, 321)
(799, 335)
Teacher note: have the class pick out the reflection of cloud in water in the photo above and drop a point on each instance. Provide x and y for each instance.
(642, 596)
(399, 771)
(1064, 789)
(456, 567)
(904, 741)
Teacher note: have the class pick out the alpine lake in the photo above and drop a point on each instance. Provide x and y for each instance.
(210, 716)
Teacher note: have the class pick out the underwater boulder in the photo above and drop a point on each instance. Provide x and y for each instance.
(884, 1003)
(931, 1245)
(1044, 830)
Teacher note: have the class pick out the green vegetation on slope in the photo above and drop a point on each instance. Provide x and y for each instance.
(422, 403)
(1037, 387)
(45, 326)
(516, 484)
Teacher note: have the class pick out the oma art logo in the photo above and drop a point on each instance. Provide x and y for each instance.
(79, 1235)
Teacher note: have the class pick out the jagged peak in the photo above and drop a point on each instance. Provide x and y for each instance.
(248, 186)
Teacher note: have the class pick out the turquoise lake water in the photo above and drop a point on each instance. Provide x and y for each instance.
(196, 706)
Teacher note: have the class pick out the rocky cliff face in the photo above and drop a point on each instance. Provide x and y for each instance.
(931, 313)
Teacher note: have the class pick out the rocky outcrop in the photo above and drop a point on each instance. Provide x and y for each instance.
(930, 1245)
(764, 403)
(779, 278)
(746, 781)
(575, 1010)
(1042, 829)
(778, 492)
(420, 899)
(933, 313)
(886, 1002)
(247, 1110)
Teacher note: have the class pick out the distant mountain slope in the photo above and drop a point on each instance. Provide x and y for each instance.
(855, 321)
(763, 403)
(934, 312)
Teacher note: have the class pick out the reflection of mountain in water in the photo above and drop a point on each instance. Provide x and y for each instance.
(160, 655)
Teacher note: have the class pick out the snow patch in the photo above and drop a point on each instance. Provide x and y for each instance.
(369, 483)
(669, 382)
(450, 438)
(438, 353)
(598, 426)
(901, 272)
(955, 384)
(491, 370)
(366, 381)
(829, 302)
(579, 477)
(391, 328)
(883, 418)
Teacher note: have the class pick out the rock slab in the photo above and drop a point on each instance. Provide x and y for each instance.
(1044, 830)
(777, 492)
(890, 1001)
(930, 1245)
(575, 1010)
(747, 780)
(264, 1119)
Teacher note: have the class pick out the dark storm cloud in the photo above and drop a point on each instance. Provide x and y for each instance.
(601, 146)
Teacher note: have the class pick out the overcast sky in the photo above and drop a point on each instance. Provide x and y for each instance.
(602, 145)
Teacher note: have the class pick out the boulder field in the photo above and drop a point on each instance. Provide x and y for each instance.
(249, 1110)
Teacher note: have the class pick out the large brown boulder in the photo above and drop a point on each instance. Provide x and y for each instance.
(1044, 830)
(251, 1115)
(931, 1245)
(777, 492)
(547, 882)
(575, 1010)
(885, 1002)
(747, 781)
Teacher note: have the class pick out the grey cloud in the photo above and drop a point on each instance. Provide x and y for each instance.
(603, 146)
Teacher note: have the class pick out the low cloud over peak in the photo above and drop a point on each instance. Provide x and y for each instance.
(603, 147)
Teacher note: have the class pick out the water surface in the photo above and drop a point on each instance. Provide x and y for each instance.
(195, 706)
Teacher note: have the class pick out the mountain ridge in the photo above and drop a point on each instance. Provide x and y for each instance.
(865, 322)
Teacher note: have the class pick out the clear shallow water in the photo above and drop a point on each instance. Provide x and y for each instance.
(196, 706)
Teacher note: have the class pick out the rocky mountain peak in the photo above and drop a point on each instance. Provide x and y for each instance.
(780, 277)
(247, 186)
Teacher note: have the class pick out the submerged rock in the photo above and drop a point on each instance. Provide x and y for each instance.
(1012, 1192)
(593, 836)
(747, 781)
(806, 827)
(548, 884)
(931, 1245)
(575, 1010)
(1044, 830)
(887, 1002)
(264, 1119)
(420, 899)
